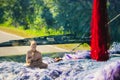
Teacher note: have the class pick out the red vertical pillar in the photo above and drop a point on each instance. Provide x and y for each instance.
(99, 31)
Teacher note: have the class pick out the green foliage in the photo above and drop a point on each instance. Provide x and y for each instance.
(50, 17)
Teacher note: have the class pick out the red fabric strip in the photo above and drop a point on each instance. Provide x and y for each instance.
(99, 31)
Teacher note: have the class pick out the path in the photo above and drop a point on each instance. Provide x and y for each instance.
(17, 50)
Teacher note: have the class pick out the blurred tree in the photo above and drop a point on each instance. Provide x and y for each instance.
(23, 13)
(69, 16)
(74, 15)
(1, 15)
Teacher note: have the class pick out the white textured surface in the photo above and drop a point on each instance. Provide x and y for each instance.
(82, 69)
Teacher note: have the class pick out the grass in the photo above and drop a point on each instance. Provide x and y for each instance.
(29, 33)
(69, 47)
(16, 31)
(23, 33)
